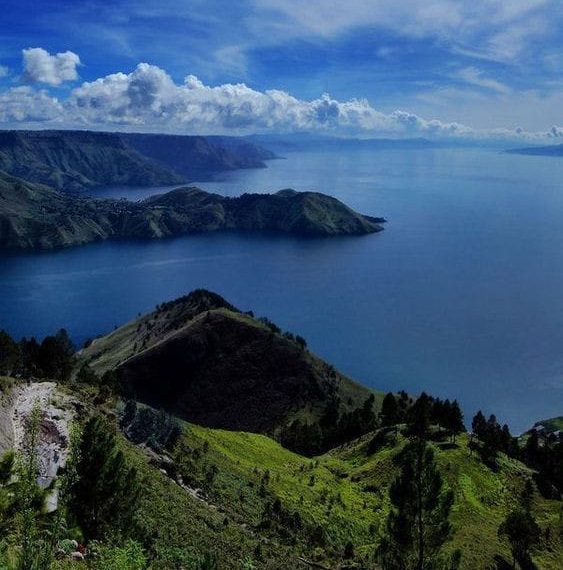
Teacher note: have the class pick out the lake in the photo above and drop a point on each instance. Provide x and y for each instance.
(461, 295)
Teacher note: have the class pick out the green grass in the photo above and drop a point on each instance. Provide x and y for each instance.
(345, 491)
(552, 424)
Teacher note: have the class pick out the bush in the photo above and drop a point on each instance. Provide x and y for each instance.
(130, 556)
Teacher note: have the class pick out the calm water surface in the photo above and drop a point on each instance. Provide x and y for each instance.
(461, 295)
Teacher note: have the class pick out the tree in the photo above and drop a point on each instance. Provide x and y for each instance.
(454, 420)
(55, 358)
(106, 489)
(418, 417)
(10, 355)
(35, 550)
(417, 525)
(522, 532)
(389, 414)
(479, 424)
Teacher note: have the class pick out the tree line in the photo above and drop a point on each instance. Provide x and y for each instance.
(53, 357)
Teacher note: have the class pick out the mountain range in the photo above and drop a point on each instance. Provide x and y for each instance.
(79, 160)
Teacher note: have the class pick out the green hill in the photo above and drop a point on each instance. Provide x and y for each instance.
(340, 497)
(287, 211)
(237, 495)
(36, 216)
(203, 360)
(551, 424)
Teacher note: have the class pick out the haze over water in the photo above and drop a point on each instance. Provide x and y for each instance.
(461, 295)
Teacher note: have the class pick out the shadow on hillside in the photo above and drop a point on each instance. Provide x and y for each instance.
(525, 564)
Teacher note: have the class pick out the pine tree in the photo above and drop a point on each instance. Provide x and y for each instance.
(106, 489)
(389, 414)
(522, 532)
(417, 525)
(418, 417)
(455, 420)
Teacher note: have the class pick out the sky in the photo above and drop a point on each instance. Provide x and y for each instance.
(479, 69)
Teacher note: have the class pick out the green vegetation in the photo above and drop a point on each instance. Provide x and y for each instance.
(552, 424)
(144, 489)
(418, 523)
(201, 348)
(34, 216)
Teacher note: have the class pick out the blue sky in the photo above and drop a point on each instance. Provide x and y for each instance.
(438, 68)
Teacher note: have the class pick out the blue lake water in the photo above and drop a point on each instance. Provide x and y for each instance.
(461, 295)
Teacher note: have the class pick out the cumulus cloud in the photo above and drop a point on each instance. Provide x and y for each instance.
(556, 132)
(42, 67)
(148, 99)
(25, 104)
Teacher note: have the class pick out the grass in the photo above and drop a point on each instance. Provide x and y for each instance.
(552, 424)
(345, 491)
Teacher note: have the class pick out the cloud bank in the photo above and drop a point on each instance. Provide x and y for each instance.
(148, 99)
(42, 67)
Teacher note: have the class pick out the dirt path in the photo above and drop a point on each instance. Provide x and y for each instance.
(56, 416)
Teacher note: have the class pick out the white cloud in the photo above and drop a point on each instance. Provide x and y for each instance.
(4, 71)
(42, 67)
(495, 29)
(477, 77)
(147, 99)
(25, 104)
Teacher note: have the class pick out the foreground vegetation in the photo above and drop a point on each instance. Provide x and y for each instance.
(145, 489)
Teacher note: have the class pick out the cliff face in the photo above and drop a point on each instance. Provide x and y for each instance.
(36, 216)
(197, 157)
(77, 160)
(74, 160)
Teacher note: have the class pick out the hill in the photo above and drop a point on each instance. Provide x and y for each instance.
(36, 216)
(314, 142)
(287, 211)
(198, 157)
(78, 160)
(231, 499)
(200, 358)
(550, 150)
(75, 160)
(551, 424)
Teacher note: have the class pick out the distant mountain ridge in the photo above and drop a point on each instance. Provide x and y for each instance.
(36, 216)
(78, 160)
(313, 142)
(197, 156)
(550, 150)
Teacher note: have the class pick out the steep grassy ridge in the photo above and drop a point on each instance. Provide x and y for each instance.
(201, 359)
